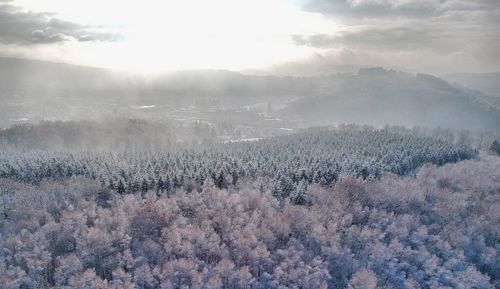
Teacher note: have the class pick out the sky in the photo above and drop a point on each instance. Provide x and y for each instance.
(433, 36)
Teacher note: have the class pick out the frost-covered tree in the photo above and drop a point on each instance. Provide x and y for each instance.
(429, 227)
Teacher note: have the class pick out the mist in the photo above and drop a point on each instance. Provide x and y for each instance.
(265, 144)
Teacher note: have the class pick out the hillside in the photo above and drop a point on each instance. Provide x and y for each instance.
(488, 83)
(378, 97)
(34, 91)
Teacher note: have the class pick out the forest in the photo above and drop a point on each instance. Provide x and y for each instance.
(332, 207)
(320, 156)
(235, 144)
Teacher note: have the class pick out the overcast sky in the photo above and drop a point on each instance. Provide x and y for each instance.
(435, 36)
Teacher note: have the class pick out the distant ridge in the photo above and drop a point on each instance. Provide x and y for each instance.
(33, 90)
(488, 83)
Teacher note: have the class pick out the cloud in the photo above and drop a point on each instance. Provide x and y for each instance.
(29, 28)
(420, 48)
(459, 26)
(401, 38)
(441, 35)
(394, 8)
(346, 59)
(374, 8)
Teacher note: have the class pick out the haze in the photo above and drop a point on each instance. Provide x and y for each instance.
(259, 144)
(157, 36)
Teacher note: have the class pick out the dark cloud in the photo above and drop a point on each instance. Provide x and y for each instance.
(438, 35)
(394, 8)
(22, 27)
(392, 38)
(373, 8)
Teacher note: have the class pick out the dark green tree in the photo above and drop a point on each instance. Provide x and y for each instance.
(120, 188)
(220, 181)
(160, 186)
(144, 186)
(298, 196)
(495, 147)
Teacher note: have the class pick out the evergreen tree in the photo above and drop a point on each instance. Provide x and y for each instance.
(298, 196)
(220, 181)
(135, 186)
(286, 187)
(144, 186)
(495, 147)
(168, 185)
(120, 188)
(160, 186)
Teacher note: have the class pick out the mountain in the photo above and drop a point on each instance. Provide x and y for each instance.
(35, 90)
(377, 96)
(23, 79)
(306, 69)
(488, 83)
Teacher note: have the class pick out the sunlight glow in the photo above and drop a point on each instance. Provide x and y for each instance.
(188, 34)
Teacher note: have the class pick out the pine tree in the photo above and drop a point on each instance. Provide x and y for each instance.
(160, 186)
(144, 186)
(298, 196)
(286, 187)
(135, 186)
(220, 181)
(495, 147)
(168, 185)
(120, 189)
(111, 185)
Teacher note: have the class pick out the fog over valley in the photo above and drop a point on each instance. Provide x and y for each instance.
(34, 91)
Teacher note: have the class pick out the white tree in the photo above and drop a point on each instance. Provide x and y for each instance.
(363, 279)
